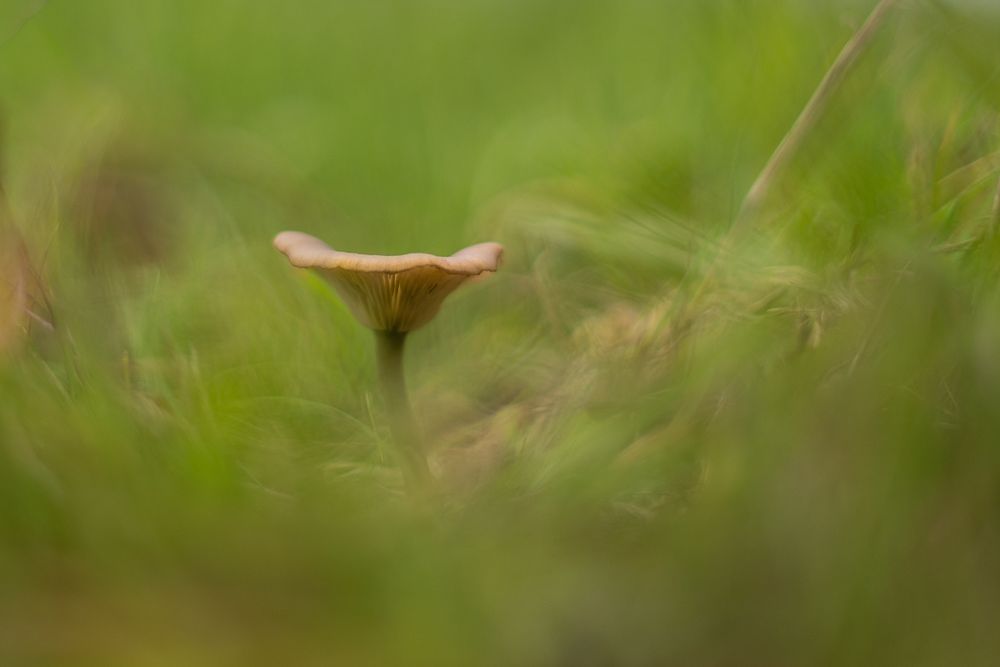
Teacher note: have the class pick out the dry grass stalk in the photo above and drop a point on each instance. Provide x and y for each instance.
(995, 216)
(812, 112)
(13, 291)
(23, 300)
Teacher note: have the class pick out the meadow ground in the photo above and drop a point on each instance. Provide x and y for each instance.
(660, 439)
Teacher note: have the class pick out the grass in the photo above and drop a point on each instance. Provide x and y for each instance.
(657, 443)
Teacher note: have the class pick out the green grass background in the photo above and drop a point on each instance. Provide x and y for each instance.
(655, 448)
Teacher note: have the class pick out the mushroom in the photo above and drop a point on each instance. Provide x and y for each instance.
(392, 296)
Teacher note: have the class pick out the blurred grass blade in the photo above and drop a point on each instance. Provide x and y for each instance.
(792, 142)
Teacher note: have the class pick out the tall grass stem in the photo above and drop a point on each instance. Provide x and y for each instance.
(792, 142)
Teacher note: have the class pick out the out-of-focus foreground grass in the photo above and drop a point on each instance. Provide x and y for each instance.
(654, 447)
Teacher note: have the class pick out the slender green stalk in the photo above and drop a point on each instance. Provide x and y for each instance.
(409, 446)
(812, 112)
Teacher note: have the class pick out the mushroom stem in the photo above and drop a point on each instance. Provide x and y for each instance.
(389, 355)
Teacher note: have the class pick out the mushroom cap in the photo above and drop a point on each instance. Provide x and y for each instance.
(390, 292)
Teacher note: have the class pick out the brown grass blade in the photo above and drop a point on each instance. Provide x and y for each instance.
(812, 112)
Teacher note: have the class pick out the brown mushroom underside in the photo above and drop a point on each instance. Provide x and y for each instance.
(390, 293)
(401, 301)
